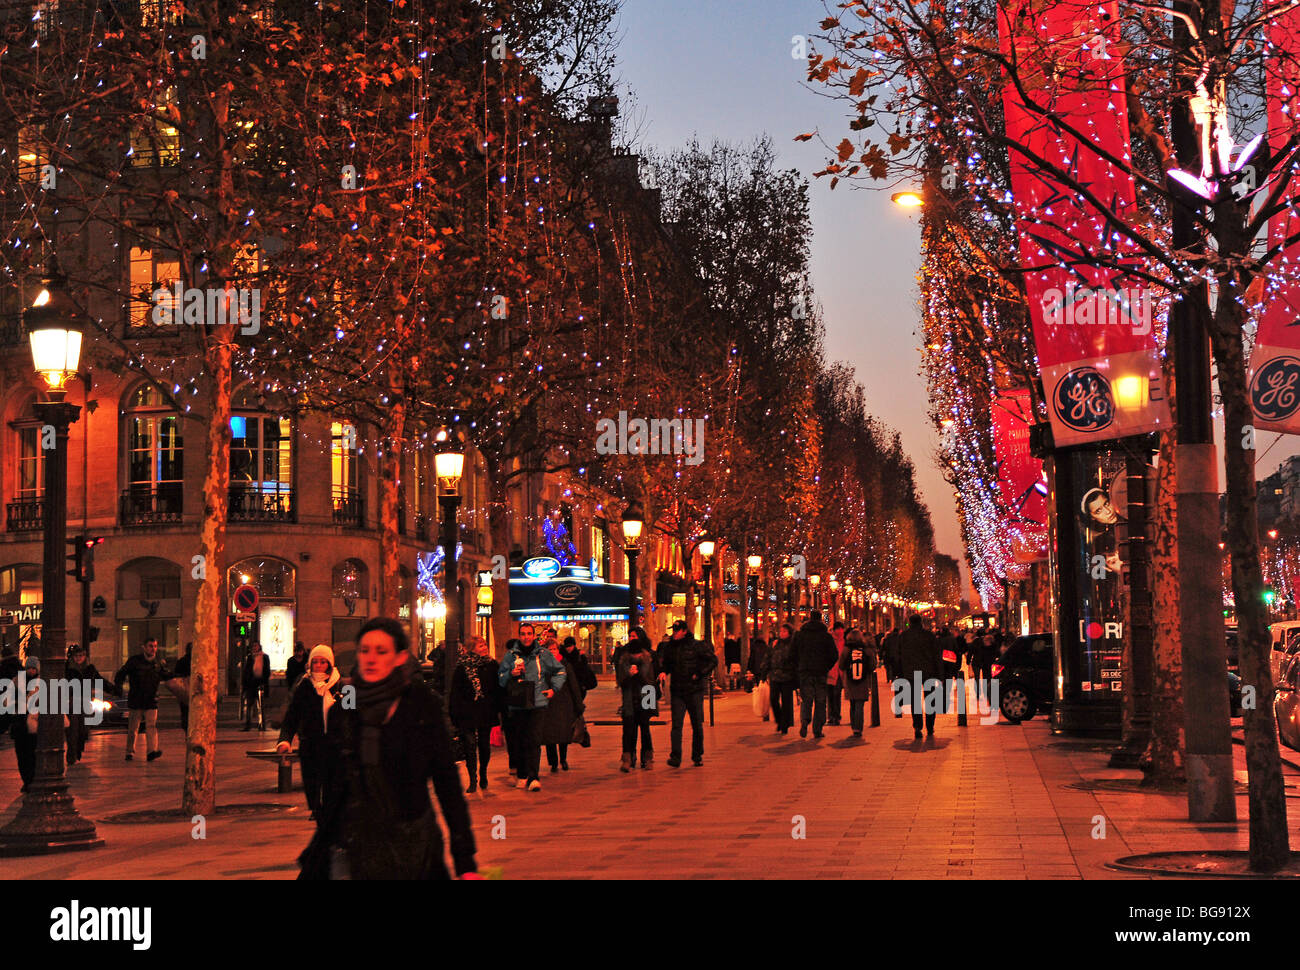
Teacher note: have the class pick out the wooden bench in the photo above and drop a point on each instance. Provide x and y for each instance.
(284, 770)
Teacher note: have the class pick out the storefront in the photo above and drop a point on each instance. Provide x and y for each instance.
(575, 602)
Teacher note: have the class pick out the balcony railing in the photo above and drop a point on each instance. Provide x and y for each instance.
(25, 515)
(251, 502)
(348, 508)
(151, 504)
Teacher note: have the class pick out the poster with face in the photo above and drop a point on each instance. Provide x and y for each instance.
(1100, 571)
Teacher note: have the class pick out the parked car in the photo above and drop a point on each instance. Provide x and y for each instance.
(1234, 651)
(1286, 704)
(114, 712)
(1024, 677)
(1284, 643)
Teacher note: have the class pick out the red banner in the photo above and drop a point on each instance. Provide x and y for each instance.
(1275, 364)
(1094, 326)
(1020, 476)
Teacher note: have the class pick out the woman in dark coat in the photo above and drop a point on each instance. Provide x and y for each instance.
(640, 698)
(313, 695)
(565, 706)
(782, 676)
(381, 753)
(476, 709)
(858, 665)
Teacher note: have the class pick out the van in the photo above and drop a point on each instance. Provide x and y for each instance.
(1285, 643)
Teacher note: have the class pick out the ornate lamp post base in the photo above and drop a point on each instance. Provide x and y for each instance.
(47, 822)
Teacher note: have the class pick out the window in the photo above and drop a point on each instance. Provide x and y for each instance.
(158, 13)
(155, 141)
(31, 463)
(343, 474)
(154, 459)
(31, 153)
(151, 272)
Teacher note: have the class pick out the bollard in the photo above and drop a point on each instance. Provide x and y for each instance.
(961, 698)
(284, 776)
(875, 700)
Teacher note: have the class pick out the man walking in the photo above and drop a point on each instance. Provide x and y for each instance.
(255, 680)
(531, 676)
(921, 665)
(142, 673)
(815, 654)
(687, 664)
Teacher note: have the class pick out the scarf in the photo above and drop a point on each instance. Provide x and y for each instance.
(323, 686)
(373, 702)
(470, 663)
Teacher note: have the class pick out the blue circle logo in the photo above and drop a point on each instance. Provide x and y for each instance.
(1275, 391)
(1083, 400)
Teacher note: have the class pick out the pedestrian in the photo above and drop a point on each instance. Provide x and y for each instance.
(180, 684)
(760, 659)
(889, 651)
(783, 676)
(79, 668)
(950, 649)
(295, 666)
(530, 676)
(815, 654)
(10, 668)
(985, 650)
(380, 755)
(481, 672)
(24, 726)
(731, 657)
(566, 707)
(921, 666)
(834, 683)
(636, 676)
(255, 680)
(858, 665)
(306, 714)
(143, 673)
(686, 665)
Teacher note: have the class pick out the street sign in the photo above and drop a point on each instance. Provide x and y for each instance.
(31, 613)
(245, 617)
(245, 599)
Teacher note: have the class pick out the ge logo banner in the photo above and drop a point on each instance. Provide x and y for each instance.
(1082, 400)
(1273, 392)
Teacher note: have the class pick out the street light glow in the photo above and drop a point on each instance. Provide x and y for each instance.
(908, 199)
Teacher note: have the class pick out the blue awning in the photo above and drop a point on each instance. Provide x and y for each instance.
(571, 596)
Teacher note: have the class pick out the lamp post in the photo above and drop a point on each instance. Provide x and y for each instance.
(788, 574)
(48, 820)
(633, 523)
(835, 588)
(815, 598)
(448, 466)
(755, 563)
(707, 546)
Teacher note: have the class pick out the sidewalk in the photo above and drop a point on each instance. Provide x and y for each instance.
(984, 801)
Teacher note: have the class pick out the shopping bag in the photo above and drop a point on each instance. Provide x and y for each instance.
(762, 700)
(497, 737)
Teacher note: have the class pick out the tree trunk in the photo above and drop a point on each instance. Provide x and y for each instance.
(499, 545)
(1165, 768)
(1269, 844)
(390, 478)
(742, 570)
(198, 796)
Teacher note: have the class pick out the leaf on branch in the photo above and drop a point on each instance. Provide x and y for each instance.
(858, 83)
(806, 136)
(860, 124)
(322, 210)
(898, 143)
(845, 149)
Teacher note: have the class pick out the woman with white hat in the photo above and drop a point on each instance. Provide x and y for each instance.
(305, 716)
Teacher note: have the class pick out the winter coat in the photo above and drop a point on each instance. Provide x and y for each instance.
(688, 663)
(782, 666)
(833, 675)
(919, 650)
(294, 668)
(635, 695)
(249, 681)
(581, 670)
(540, 669)
(414, 748)
(460, 705)
(856, 652)
(563, 710)
(142, 678)
(305, 715)
(760, 660)
(814, 650)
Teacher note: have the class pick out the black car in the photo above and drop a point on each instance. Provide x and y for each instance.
(1024, 677)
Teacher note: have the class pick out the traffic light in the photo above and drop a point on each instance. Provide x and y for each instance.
(82, 557)
(1269, 596)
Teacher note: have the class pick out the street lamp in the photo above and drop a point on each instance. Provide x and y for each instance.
(788, 574)
(48, 820)
(835, 588)
(755, 562)
(908, 199)
(706, 547)
(815, 581)
(633, 523)
(448, 466)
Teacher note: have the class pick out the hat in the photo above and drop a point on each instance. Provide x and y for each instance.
(33, 663)
(322, 650)
(679, 624)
